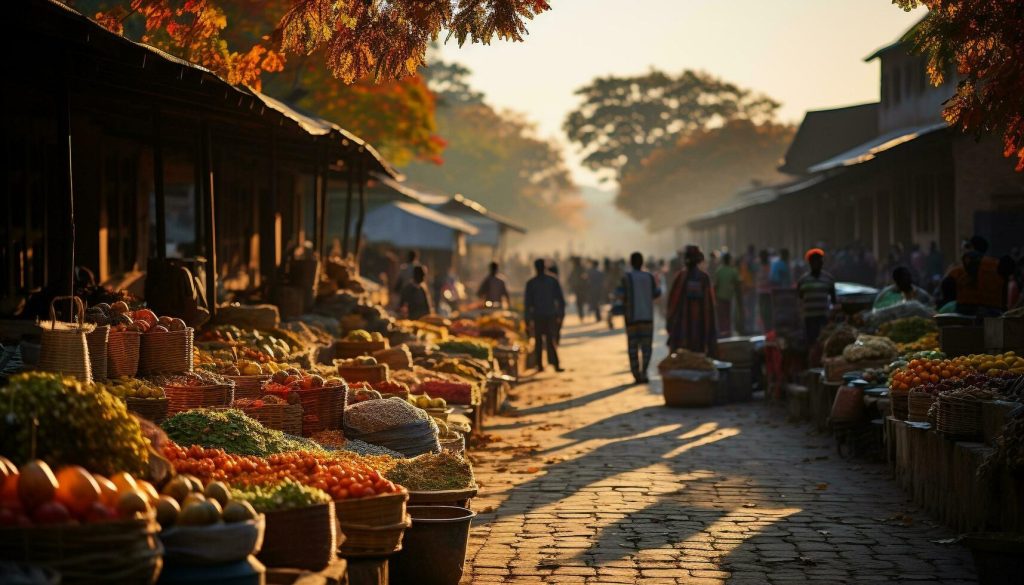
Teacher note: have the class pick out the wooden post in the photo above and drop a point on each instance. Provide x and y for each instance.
(158, 186)
(210, 215)
(268, 219)
(362, 210)
(321, 204)
(65, 263)
(348, 208)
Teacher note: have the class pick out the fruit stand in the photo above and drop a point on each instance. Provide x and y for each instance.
(224, 450)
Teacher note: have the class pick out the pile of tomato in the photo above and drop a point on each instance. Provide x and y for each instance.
(921, 371)
(342, 479)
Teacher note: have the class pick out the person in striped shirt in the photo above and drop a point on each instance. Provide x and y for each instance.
(817, 291)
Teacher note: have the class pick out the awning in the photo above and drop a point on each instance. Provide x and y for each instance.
(758, 197)
(455, 203)
(411, 225)
(872, 148)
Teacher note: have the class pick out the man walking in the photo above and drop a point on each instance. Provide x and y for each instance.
(596, 294)
(545, 307)
(493, 290)
(639, 290)
(817, 291)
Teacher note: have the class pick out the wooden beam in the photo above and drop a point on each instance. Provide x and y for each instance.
(362, 210)
(209, 215)
(348, 210)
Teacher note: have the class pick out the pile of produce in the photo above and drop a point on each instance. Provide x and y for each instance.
(230, 430)
(125, 387)
(465, 368)
(683, 359)
(875, 318)
(196, 378)
(908, 329)
(363, 336)
(432, 472)
(286, 495)
(450, 392)
(356, 362)
(378, 415)
(978, 383)
(425, 401)
(369, 450)
(253, 344)
(186, 502)
(69, 423)
(993, 364)
(121, 318)
(341, 477)
(927, 342)
(331, 439)
(389, 388)
(467, 346)
(842, 336)
(870, 347)
(33, 495)
(919, 372)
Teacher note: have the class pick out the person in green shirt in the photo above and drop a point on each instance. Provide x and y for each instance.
(727, 287)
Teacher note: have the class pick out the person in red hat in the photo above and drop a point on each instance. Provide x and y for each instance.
(817, 291)
(691, 308)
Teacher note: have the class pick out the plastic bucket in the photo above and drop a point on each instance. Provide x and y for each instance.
(434, 547)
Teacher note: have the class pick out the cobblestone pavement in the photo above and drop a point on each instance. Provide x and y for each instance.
(594, 481)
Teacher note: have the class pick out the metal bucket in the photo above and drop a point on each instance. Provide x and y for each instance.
(434, 548)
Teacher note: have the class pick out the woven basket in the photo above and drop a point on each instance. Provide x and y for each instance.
(371, 374)
(123, 353)
(269, 415)
(292, 419)
(363, 540)
(181, 398)
(249, 386)
(123, 551)
(97, 342)
(64, 347)
(959, 417)
(303, 538)
(327, 403)
(898, 403)
(168, 352)
(382, 510)
(918, 404)
(154, 409)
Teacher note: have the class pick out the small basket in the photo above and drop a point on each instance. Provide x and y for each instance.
(154, 409)
(64, 348)
(303, 538)
(292, 419)
(918, 404)
(269, 415)
(327, 403)
(97, 341)
(122, 551)
(249, 386)
(166, 352)
(182, 398)
(351, 349)
(958, 417)
(375, 511)
(371, 374)
(363, 540)
(123, 353)
(899, 404)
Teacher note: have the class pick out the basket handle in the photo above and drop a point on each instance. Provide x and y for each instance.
(80, 310)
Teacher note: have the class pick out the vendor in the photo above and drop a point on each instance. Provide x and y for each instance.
(415, 297)
(901, 290)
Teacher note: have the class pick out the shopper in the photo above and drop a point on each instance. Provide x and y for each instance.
(691, 307)
(493, 290)
(902, 289)
(553, 271)
(781, 272)
(595, 289)
(727, 292)
(405, 272)
(817, 292)
(578, 285)
(544, 307)
(415, 297)
(764, 290)
(639, 291)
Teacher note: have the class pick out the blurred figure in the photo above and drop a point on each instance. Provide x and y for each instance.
(595, 289)
(727, 290)
(405, 271)
(614, 271)
(639, 291)
(764, 290)
(747, 267)
(817, 292)
(414, 300)
(553, 271)
(578, 285)
(544, 306)
(781, 271)
(901, 290)
(493, 290)
(691, 307)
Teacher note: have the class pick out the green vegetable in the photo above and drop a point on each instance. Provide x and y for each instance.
(476, 349)
(432, 472)
(286, 495)
(232, 431)
(908, 329)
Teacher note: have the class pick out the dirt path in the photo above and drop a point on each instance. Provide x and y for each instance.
(594, 481)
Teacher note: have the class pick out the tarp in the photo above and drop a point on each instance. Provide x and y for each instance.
(411, 225)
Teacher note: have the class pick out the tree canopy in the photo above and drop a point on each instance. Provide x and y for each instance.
(622, 120)
(982, 39)
(702, 171)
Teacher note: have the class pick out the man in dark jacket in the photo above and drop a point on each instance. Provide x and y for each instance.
(638, 291)
(415, 298)
(545, 309)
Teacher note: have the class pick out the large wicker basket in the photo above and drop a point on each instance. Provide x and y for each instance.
(181, 398)
(958, 417)
(269, 415)
(292, 419)
(154, 409)
(97, 341)
(166, 352)
(369, 541)
(382, 510)
(899, 404)
(249, 386)
(918, 405)
(124, 551)
(64, 347)
(303, 538)
(323, 408)
(123, 353)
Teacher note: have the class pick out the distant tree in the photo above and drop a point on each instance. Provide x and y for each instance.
(702, 171)
(622, 120)
(984, 41)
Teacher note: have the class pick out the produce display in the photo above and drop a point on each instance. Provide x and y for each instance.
(450, 392)
(356, 362)
(286, 495)
(253, 344)
(870, 347)
(186, 502)
(378, 415)
(125, 387)
(121, 318)
(368, 449)
(424, 401)
(468, 346)
(231, 430)
(364, 336)
(432, 472)
(993, 364)
(927, 342)
(65, 422)
(683, 359)
(919, 372)
(908, 329)
(197, 378)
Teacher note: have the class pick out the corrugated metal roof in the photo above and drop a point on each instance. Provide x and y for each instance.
(758, 197)
(872, 148)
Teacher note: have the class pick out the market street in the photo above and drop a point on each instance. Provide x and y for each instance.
(595, 481)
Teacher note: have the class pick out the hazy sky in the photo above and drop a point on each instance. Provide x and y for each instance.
(808, 54)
